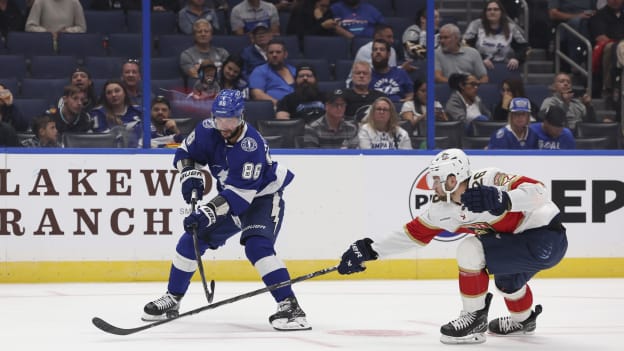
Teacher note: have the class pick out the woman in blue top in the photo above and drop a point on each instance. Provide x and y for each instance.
(115, 109)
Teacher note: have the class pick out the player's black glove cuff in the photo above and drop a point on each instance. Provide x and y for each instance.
(353, 259)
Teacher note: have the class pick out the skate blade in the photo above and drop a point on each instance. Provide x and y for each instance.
(152, 318)
(477, 338)
(518, 333)
(283, 324)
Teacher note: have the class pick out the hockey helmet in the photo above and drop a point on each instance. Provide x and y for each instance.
(228, 104)
(450, 162)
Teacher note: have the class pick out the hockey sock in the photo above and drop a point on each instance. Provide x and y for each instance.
(184, 265)
(473, 287)
(260, 252)
(519, 303)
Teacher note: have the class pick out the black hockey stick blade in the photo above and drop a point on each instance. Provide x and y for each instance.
(109, 328)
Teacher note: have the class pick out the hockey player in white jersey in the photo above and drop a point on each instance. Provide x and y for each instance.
(249, 201)
(516, 229)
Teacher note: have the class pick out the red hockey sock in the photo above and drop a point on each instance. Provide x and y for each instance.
(473, 283)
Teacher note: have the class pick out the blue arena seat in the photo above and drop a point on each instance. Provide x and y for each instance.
(384, 6)
(162, 22)
(30, 43)
(256, 110)
(442, 92)
(81, 44)
(343, 69)
(105, 22)
(399, 24)
(166, 68)
(52, 66)
(500, 72)
(12, 66)
(12, 84)
(489, 94)
(49, 89)
(292, 46)
(331, 85)
(330, 48)
(125, 45)
(320, 66)
(174, 44)
(31, 108)
(232, 43)
(103, 67)
(408, 8)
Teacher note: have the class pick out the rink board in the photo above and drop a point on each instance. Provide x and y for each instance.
(117, 216)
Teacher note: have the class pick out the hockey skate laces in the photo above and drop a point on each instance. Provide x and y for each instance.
(165, 302)
(464, 320)
(507, 324)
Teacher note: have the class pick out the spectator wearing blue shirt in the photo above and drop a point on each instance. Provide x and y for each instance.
(248, 13)
(392, 81)
(194, 10)
(255, 54)
(552, 133)
(516, 134)
(274, 79)
(356, 17)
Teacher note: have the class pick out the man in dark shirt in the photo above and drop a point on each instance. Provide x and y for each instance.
(71, 117)
(359, 97)
(307, 101)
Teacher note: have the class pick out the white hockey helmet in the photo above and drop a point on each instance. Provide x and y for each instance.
(450, 162)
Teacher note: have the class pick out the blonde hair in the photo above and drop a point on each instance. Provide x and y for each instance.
(393, 122)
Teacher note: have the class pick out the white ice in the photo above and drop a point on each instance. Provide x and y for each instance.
(579, 314)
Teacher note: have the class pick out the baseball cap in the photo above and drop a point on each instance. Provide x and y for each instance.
(305, 67)
(556, 116)
(335, 95)
(520, 104)
(258, 26)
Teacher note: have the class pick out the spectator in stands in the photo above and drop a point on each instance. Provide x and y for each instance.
(516, 134)
(415, 36)
(451, 57)
(552, 133)
(206, 87)
(415, 111)
(511, 88)
(72, 117)
(231, 77)
(607, 34)
(380, 128)
(131, 77)
(248, 13)
(575, 13)
(191, 58)
(56, 17)
(464, 104)
(331, 131)
(164, 129)
(194, 10)
(274, 79)
(392, 81)
(9, 113)
(306, 102)
(82, 79)
(8, 136)
(577, 109)
(360, 96)
(11, 18)
(382, 32)
(497, 38)
(255, 54)
(357, 17)
(45, 132)
(314, 17)
(116, 110)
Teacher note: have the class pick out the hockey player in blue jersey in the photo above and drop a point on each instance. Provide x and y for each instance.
(249, 201)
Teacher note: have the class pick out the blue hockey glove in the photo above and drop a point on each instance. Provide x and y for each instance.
(486, 198)
(204, 217)
(359, 252)
(191, 179)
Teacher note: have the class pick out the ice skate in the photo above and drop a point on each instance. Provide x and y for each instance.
(469, 328)
(506, 326)
(164, 307)
(289, 316)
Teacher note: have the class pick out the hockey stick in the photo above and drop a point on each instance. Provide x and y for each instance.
(109, 328)
(209, 292)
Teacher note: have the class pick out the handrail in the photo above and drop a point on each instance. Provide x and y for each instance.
(561, 56)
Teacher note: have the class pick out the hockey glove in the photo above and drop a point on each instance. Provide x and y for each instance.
(353, 259)
(191, 179)
(486, 198)
(205, 216)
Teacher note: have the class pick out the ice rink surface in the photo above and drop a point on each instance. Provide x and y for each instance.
(579, 314)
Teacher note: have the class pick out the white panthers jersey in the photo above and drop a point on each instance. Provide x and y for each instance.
(531, 207)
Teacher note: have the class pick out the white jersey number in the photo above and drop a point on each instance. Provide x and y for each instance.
(251, 171)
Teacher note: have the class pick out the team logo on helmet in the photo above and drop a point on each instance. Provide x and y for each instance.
(421, 196)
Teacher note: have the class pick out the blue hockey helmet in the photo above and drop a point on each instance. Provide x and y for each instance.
(229, 103)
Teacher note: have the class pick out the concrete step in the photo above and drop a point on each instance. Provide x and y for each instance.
(540, 66)
(538, 54)
(540, 78)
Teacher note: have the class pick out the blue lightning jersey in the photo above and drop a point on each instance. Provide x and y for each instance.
(244, 171)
